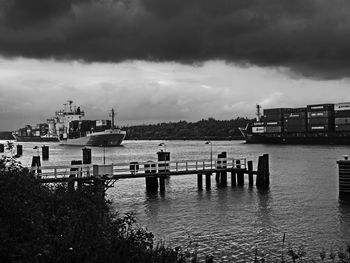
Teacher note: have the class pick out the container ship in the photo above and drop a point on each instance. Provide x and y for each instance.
(68, 127)
(313, 124)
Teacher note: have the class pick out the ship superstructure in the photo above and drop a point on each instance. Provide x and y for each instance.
(59, 124)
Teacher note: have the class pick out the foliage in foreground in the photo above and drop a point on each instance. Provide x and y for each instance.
(299, 255)
(39, 223)
(42, 224)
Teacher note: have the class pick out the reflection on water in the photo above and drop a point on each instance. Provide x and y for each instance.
(227, 222)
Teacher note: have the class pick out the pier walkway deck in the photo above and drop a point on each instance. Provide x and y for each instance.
(116, 171)
(108, 174)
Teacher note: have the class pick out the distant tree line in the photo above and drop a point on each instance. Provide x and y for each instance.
(204, 129)
(6, 135)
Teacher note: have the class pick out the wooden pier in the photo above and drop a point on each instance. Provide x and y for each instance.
(104, 176)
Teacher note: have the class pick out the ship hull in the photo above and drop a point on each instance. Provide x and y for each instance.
(97, 139)
(290, 139)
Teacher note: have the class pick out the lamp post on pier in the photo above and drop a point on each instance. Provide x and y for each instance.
(37, 149)
(164, 155)
(104, 151)
(163, 144)
(211, 154)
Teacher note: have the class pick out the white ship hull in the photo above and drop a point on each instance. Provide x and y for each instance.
(105, 138)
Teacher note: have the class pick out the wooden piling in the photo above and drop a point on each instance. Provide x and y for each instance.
(223, 179)
(250, 173)
(240, 174)
(151, 184)
(233, 178)
(223, 175)
(240, 178)
(19, 150)
(86, 155)
(151, 181)
(344, 176)
(208, 180)
(217, 177)
(36, 164)
(218, 166)
(200, 181)
(267, 170)
(259, 180)
(263, 173)
(162, 184)
(45, 152)
(2, 148)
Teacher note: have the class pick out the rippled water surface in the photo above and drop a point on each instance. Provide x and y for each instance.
(231, 223)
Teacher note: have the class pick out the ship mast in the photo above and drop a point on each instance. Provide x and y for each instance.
(70, 102)
(258, 112)
(112, 119)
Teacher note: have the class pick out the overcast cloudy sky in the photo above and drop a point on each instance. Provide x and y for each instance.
(170, 60)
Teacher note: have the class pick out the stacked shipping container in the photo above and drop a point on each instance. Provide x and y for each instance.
(295, 120)
(342, 117)
(320, 118)
(259, 127)
(273, 120)
(315, 120)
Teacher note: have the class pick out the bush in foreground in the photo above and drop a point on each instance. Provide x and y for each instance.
(40, 223)
(48, 224)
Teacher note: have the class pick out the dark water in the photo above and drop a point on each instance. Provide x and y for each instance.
(231, 223)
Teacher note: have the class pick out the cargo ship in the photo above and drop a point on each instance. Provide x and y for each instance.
(313, 124)
(69, 128)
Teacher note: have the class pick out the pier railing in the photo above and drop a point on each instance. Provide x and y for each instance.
(138, 169)
(105, 175)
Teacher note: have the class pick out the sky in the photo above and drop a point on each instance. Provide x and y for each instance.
(170, 60)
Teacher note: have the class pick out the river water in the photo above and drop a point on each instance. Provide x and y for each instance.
(231, 223)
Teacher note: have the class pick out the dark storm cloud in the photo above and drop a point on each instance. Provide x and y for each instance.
(311, 37)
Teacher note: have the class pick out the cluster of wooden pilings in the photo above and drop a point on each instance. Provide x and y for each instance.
(19, 149)
(237, 174)
(74, 171)
(163, 167)
(221, 172)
